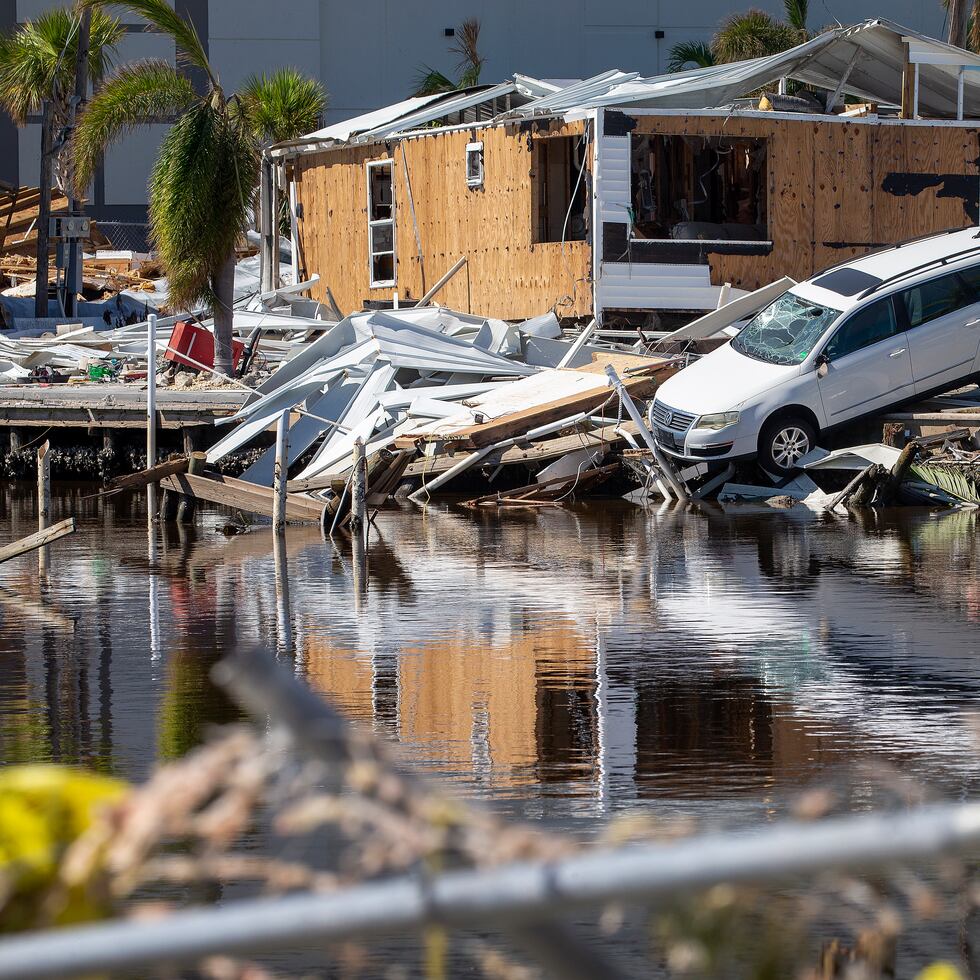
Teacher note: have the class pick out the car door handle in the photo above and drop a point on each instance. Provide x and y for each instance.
(972, 323)
(897, 353)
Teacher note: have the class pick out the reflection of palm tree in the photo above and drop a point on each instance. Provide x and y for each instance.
(431, 81)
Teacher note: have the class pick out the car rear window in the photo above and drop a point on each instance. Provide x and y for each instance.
(935, 298)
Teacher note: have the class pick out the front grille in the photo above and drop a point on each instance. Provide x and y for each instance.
(672, 418)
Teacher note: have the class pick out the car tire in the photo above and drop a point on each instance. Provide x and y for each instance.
(783, 441)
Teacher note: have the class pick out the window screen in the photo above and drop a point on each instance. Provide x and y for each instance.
(935, 298)
(868, 326)
(381, 223)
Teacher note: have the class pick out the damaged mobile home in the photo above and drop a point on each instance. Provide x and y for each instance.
(622, 194)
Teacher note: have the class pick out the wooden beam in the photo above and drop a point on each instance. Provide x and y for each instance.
(152, 475)
(240, 495)
(512, 425)
(34, 541)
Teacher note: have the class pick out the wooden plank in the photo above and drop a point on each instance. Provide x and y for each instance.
(34, 541)
(152, 475)
(535, 452)
(517, 423)
(239, 495)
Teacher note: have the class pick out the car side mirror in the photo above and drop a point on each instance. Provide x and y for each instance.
(823, 365)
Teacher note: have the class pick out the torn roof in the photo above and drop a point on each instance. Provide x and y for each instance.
(871, 56)
(865, 61)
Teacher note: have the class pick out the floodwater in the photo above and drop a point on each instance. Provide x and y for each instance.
(562, 663)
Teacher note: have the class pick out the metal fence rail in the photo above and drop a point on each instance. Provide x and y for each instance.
(521, 894)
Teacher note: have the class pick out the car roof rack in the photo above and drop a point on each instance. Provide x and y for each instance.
(945, 260)
(879, 249)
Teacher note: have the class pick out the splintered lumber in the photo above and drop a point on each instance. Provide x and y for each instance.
(514, 424)
(546, 488)
(851, 487)
(154, 474)
(240, 495)
(34, 541)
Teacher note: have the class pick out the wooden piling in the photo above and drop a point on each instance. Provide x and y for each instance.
(281, 474)
(196, 464)
(358, 510)
(43, 501)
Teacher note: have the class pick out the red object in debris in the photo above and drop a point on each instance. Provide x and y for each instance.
(193, 345)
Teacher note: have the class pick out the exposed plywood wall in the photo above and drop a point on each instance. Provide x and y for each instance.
(506, 274)
(838, 189)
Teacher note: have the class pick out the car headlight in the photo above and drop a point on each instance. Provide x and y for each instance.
(719, 421)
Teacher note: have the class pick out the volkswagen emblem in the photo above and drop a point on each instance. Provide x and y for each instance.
(668, 418)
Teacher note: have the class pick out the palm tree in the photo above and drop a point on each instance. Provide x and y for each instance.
(203, 181)
(752, 34)
(690, 54)
(37, 63)
(431, 81)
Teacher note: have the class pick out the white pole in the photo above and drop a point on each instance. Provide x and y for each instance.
(281, 475)
(915, 93)
(151, 409)
(294, 230)
(959, 94)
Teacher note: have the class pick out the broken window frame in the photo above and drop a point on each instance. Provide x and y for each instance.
(762, 191)
(474, 164)
(380, 223)
(543, 222)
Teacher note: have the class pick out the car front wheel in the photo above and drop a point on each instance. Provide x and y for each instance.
(784, 443)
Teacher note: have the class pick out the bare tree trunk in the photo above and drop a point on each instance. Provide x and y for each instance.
(224, 289)
(959, 15)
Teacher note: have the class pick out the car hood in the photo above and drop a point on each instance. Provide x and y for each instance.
(722, 381)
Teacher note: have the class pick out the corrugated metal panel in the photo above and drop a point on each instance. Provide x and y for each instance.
(655, 286)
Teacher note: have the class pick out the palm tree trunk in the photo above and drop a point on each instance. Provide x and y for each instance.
(224, 290)
(959, 12)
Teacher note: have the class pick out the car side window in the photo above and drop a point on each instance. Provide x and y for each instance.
(866, 327)
(935, 298)
(971, 277)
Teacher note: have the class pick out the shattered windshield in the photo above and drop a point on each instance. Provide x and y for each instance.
(785, 331)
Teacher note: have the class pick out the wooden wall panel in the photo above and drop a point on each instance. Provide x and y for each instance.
(506, 274)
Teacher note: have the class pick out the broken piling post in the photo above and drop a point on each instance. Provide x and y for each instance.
(43, 501)
(281, 474)
(358, 509)
(196, 464)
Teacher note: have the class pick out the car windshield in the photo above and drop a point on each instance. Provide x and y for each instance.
(785, 331)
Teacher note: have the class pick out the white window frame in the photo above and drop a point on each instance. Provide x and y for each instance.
(474, 151)
(372, 254)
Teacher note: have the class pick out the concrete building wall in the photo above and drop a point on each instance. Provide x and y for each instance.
(368, 53)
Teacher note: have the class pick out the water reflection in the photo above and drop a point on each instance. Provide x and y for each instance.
(576, 660)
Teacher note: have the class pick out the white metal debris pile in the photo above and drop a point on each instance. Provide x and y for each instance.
(440, 391)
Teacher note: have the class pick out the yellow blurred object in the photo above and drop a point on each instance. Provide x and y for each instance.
(43, 810)
(941, 970)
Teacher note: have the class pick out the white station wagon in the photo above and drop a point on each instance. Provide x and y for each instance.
(854, 340)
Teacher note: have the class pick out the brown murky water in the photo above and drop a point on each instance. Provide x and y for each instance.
(565, 663)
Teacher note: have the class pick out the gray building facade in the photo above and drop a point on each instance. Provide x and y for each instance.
(367, 53)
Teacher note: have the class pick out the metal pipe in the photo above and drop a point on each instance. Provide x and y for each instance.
(517, 893)
(151, 408)
(676, 487)
(441, 282)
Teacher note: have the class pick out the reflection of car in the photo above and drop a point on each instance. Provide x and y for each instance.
(859, 338)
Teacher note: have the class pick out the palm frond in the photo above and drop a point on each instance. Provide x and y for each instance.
(431, 81)
(38, 58)
(950, 479)
(207, 166)
(690, 54)
(282, 106)
(138, 91)
(467, 47)
(752, 34)
(797, 14)
(161, 15)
